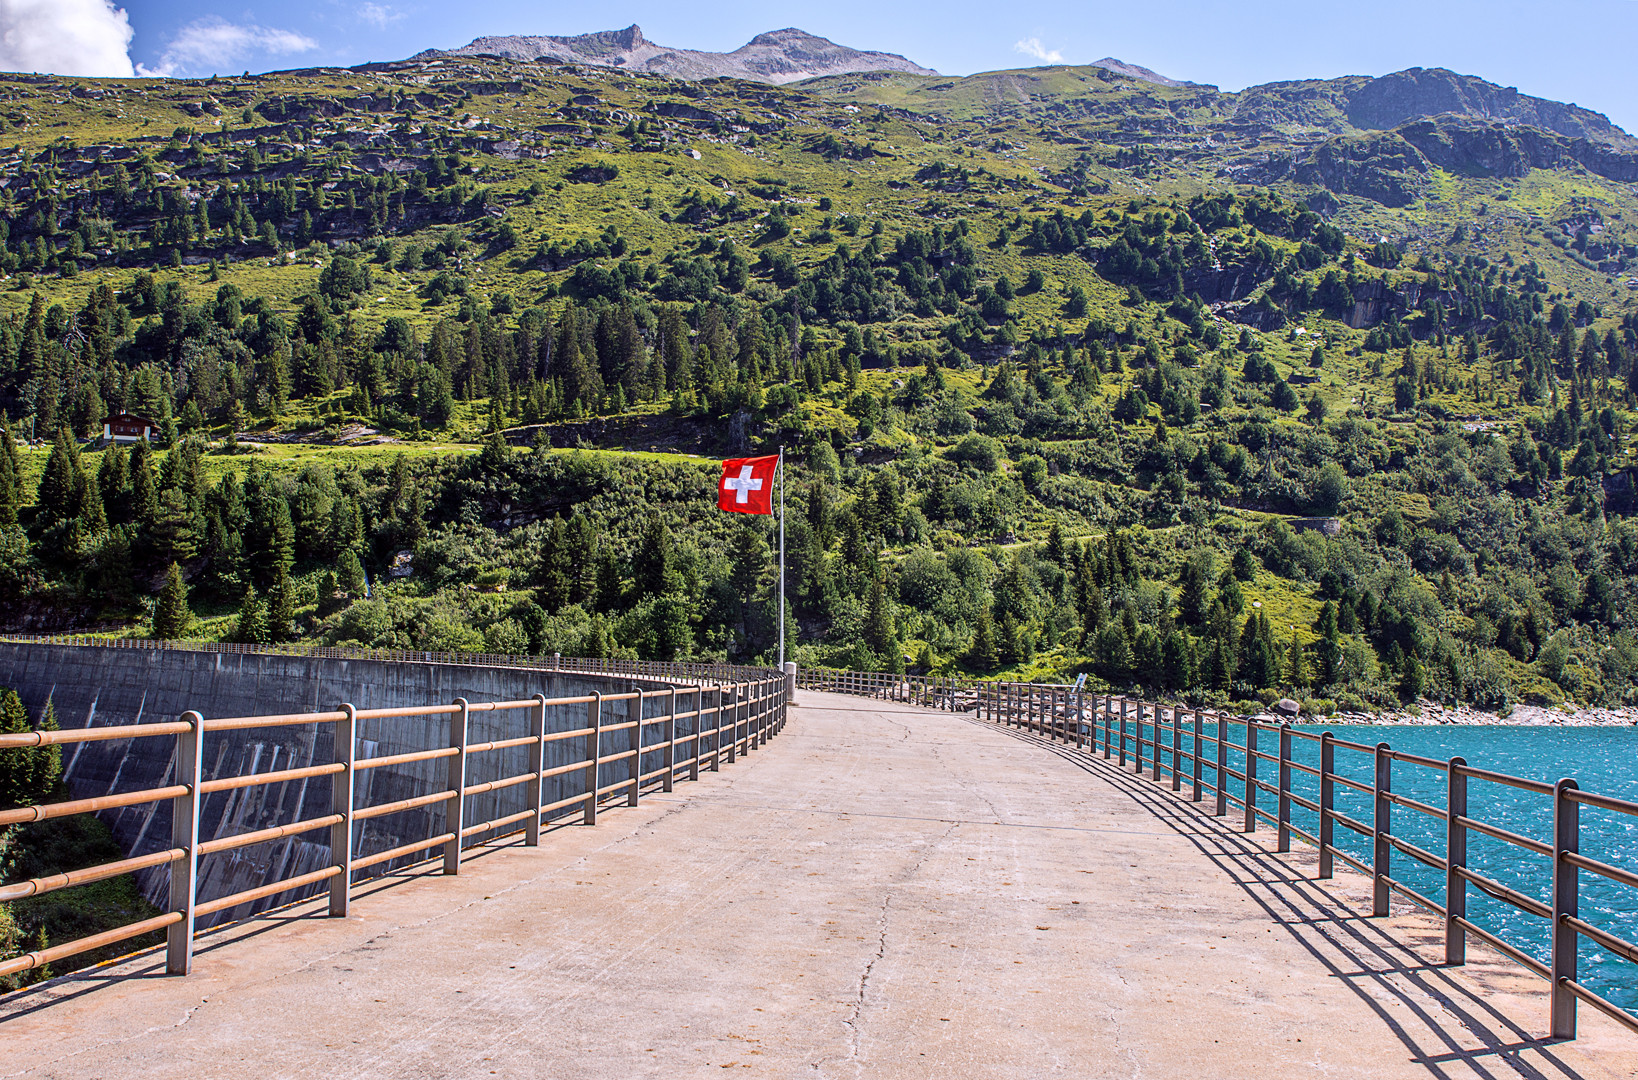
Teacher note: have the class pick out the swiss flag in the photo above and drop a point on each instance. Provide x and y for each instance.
(747, 485)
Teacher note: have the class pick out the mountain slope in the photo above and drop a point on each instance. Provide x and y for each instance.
(781, 56)
(1305, 364)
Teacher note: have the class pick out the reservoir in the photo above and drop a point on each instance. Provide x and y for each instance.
(1601, 759)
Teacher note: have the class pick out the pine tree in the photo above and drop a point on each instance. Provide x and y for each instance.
(1296, 670)
(1329, 647)
(63, 484)
(1094, 612)
(1176, 662)
(555, 571)
(171, 614)
(495, 454)
(350, 574)
(28, 775)
(113, 481)
(879, 631)
(11, 495)
(281, 607)
(1194, 591)
(609, 585)
(598, 642)
(580, 539)
(1056, 550)
(653, 571)
(252, 625)
(144, 492)
(31, 358)
(981, 654)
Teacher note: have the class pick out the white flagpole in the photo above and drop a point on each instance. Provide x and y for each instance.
(781, 468)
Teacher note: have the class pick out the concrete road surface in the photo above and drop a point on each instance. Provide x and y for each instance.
(883, 891)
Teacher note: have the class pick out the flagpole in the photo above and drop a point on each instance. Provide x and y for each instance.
(781, 468)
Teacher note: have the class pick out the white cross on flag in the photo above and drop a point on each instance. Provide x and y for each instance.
(747, 485)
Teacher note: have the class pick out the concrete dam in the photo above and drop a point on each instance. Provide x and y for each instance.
(102, 687)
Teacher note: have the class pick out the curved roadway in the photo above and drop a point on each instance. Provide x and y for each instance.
(882, 891)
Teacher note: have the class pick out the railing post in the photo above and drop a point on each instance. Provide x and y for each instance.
(185, 835)
(716, 732)
(1221, 809)
(1455, 862)
(1108, 723)
(455, 805)
(1327, 799)
(733, 725)
(1138, 746)
(1196, 770)
(1177, 748)
(670, 739)
(1154, 748)
(594, 750)
(1123, 733)
(537, 765)
(1284, 841)
(1156, 763)
(1381, 828)
(636, 750)
(1080, 721)
(345, 742)
(1137, 733)
(1251, 777)
(1566, 885)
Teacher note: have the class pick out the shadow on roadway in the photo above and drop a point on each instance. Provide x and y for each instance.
(1353, 948)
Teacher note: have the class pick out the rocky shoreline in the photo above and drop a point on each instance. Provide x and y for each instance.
(1430, 712)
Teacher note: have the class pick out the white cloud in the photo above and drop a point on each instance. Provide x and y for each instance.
(1033, 47)
(211, 45)
(379, 16)
(65, 37)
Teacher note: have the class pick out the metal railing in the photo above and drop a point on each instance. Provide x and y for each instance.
(645, 737)
(950, 693)
(1180, 747)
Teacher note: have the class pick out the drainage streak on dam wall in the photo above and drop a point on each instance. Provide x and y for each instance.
(102, 687)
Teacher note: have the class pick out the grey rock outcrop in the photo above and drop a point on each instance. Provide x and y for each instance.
(781, 56)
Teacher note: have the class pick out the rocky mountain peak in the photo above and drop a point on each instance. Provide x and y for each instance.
(779, 56)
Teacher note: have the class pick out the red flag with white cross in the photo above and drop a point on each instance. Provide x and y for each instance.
(747, 485)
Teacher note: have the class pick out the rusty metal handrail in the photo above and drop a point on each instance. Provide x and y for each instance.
(749, 707)
(1094, 722)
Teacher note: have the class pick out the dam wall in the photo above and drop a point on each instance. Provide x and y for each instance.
(96, 686)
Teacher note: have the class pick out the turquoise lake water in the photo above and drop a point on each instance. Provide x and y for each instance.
(1602, 759)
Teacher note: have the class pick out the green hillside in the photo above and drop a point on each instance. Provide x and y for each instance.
(1319, 388)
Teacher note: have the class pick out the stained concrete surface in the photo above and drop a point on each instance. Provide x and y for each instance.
(882, 891)
(98, 686)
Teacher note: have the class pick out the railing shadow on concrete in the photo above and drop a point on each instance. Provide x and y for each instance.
(582, 751)
(1123, 729)
(1372, 962)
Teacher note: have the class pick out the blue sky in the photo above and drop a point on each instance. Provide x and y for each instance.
(1569, 50)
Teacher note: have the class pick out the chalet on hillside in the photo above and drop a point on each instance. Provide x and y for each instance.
(127, 428)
